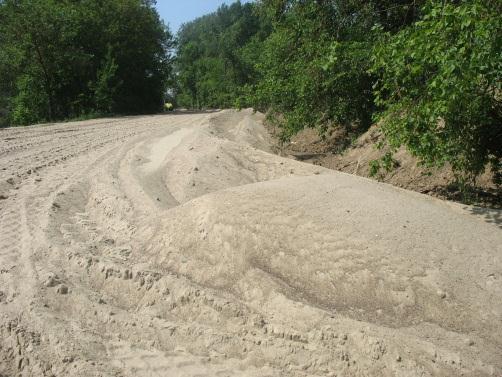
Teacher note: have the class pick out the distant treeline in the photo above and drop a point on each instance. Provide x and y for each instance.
(64, 59)
(217, 56)
(429, 72)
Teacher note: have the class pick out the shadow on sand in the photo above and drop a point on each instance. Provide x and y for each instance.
(492, 216)
(184, 112)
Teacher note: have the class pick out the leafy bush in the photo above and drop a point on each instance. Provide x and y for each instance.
(439, 86)
(106, 84)
(31, 100)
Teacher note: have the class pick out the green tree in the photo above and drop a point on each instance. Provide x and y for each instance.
(211, 67)
(314, 65)
(70, 58)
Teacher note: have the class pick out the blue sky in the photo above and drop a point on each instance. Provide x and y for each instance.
(176, 12)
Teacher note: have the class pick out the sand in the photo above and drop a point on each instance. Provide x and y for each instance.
(179, 245)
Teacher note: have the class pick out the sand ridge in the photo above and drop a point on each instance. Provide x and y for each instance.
(178, 245)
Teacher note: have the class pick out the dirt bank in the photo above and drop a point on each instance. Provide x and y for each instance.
(335, 151)
(179, 245)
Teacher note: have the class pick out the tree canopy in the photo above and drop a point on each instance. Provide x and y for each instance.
(215, 56)
(62, 59)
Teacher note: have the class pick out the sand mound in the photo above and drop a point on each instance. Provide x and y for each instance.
(207, 161)
(178, 246)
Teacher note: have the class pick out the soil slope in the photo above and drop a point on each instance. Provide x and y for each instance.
(334, 152)
(179, 245)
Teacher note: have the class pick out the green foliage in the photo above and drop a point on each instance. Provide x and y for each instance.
(387, 163)
(65, 59)
(439, 86)
(30, 101)
(314, 66)
(215, 56)
(293, 81)
(106, 85)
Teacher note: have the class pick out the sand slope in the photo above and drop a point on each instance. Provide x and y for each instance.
(177, 245)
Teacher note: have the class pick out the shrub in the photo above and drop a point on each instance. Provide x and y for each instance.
(440, 87)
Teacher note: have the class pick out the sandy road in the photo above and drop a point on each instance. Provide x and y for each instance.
(177, 245)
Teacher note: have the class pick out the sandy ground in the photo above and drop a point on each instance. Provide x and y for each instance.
(177, 245)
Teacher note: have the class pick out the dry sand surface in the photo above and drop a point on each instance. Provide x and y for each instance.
(178, 245)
